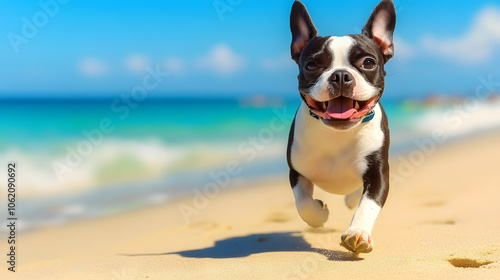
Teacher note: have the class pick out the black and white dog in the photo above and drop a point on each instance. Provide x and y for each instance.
(339, 140)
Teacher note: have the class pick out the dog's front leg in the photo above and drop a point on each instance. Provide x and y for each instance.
(313, 211)
(358, 237)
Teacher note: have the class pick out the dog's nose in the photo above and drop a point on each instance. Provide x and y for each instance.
(341, 79)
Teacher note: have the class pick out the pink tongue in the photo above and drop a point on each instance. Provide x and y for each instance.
(341, 108)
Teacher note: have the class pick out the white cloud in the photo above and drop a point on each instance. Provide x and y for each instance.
(281, 62)
(402, 49)
(175, 65)
(136, 63)
(223, 60)
(92, 67)
(477, 45)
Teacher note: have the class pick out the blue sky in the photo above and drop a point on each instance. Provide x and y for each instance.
(94, 48)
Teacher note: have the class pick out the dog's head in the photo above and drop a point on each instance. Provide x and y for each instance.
(342, 78)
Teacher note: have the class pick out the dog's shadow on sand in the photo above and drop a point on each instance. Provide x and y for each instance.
(238, 247)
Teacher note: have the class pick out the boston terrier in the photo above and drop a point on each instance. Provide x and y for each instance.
(339, 139)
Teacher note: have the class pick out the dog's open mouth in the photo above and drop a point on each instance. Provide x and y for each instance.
(341, 108)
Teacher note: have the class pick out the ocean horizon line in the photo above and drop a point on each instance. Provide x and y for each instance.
(201, 97)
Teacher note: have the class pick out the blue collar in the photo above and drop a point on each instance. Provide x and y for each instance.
(366, 119)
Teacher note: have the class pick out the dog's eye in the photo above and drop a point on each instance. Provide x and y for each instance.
(311, 66)
(369, 64)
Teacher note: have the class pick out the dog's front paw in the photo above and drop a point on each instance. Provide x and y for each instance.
(314, 212)
(357, 241)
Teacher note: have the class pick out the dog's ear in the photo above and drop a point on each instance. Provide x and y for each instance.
(302, 28)
(380, 27)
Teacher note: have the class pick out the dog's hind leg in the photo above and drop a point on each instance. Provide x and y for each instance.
(352, 200)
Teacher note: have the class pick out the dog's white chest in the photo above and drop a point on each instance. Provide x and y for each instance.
(334, 160)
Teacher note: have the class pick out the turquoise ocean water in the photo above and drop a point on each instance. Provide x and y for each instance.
(149, 153)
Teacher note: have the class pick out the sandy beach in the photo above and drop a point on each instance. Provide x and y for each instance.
(440, 222)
